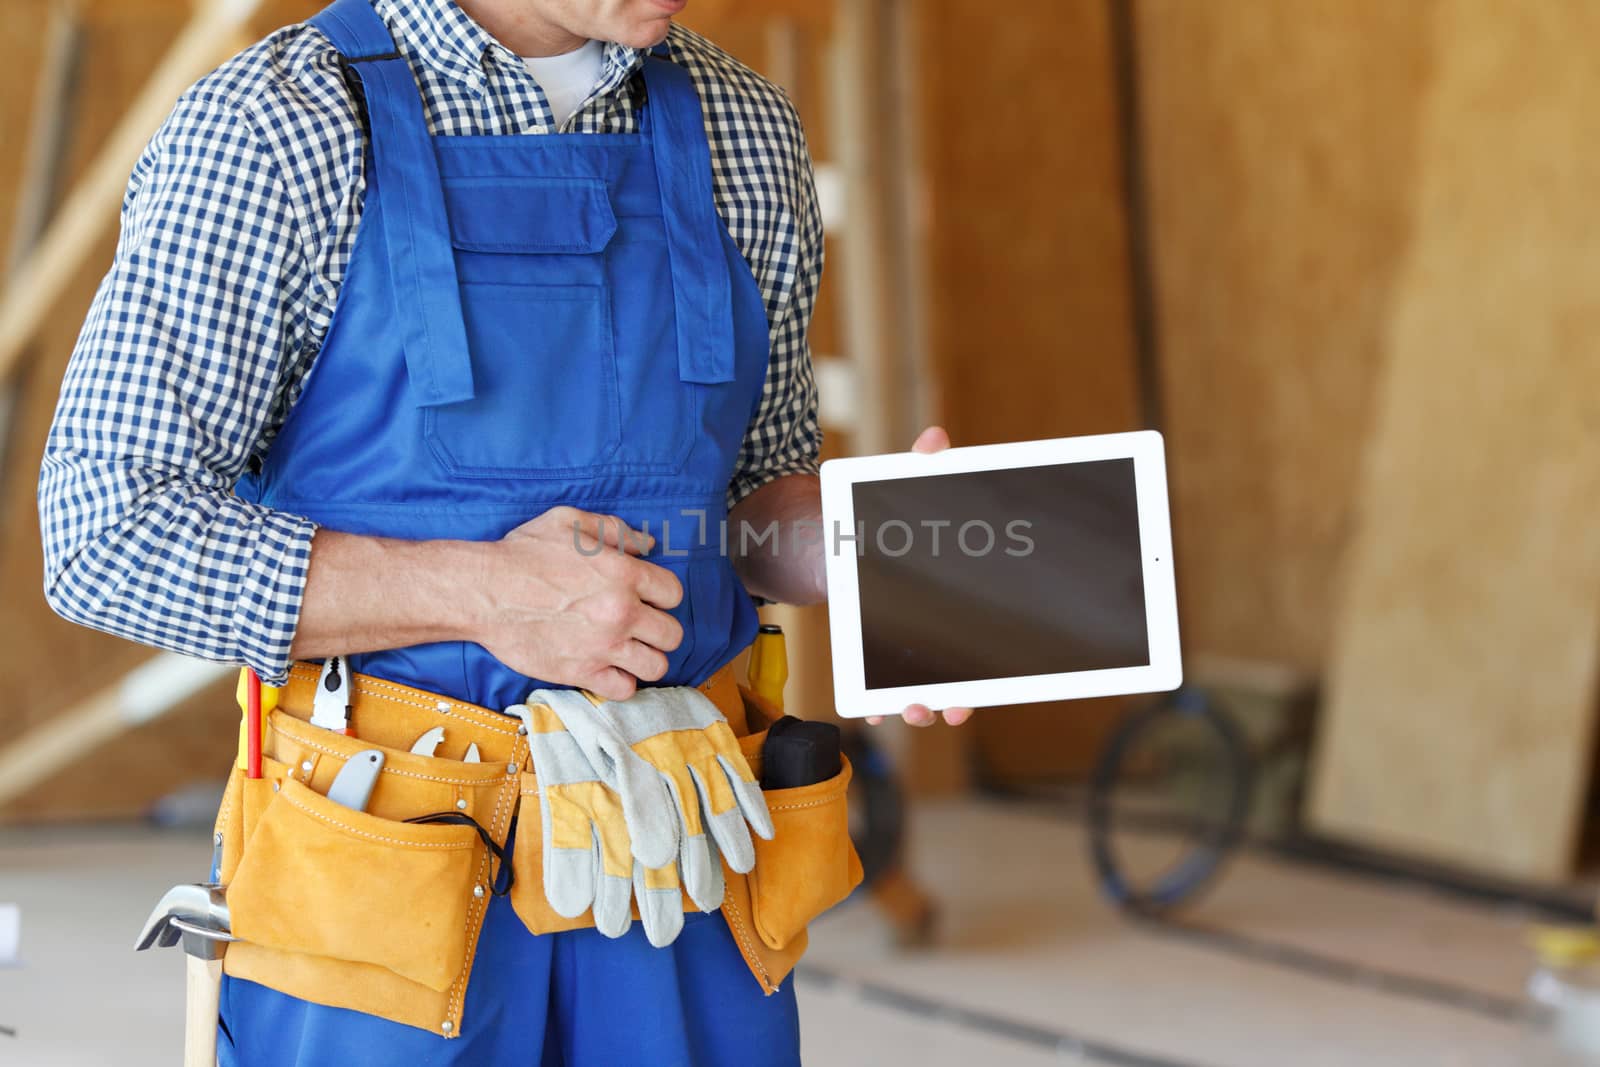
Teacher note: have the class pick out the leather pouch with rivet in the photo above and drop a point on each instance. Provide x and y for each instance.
(377, 910)
(809, 865)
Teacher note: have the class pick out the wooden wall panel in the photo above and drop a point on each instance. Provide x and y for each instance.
(23, 26)
(1463, 688)
(1279, 141)
(1028, 268)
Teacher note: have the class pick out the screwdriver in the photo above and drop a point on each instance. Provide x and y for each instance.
(256, 702)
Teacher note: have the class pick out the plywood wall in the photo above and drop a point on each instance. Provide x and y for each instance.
(1028, 268)
(1462, 691)
(1281, 154)
(1031, 316)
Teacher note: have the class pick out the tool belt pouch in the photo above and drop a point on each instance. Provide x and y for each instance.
(363, 909)
(808, 866)
(322, 879)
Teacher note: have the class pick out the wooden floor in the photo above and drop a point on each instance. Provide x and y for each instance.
(1282, 965)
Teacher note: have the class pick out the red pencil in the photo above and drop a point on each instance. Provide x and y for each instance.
(252, 691)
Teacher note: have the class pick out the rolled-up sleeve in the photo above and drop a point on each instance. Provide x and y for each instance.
(176, 378)
(785, 436)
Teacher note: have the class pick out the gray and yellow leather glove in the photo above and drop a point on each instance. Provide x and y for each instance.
(676, 765)
(587, 848)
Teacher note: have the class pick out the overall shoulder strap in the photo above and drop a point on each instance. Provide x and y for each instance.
(355, 30)
(416, 229)
(702, 287)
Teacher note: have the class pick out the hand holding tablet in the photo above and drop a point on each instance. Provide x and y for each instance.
(1000, 574)
(933, 439)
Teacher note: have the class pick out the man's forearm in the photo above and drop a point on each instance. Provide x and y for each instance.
(546, 600)
(364, 594)
(788, 568)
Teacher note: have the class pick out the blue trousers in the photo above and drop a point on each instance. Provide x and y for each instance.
(572, 999)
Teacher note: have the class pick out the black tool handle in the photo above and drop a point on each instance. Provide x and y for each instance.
(797, 753)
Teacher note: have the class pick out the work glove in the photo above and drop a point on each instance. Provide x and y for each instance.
(675, 764)
(587, 860)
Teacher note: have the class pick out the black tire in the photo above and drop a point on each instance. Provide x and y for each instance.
(1212, 845)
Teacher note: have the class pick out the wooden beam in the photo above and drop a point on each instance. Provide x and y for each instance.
(47, 136)
(905, 182)
(91, 207)
(146, 693)
(45, 153)
(854, 60)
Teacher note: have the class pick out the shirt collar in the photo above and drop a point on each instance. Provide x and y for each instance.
(621, 61)
(440, 34)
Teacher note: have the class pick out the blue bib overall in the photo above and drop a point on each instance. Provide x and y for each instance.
(529, 322)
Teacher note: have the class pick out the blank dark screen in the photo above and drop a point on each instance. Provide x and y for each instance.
(1061, 587)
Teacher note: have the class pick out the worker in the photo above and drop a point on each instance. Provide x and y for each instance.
(417, 305)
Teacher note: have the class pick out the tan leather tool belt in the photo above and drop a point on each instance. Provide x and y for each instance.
(366, 911)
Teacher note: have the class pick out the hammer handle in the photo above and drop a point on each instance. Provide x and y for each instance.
(200, 1013)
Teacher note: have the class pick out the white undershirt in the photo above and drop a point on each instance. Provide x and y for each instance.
(567, 79)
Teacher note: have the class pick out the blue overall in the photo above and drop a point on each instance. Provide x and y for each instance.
(529, 322)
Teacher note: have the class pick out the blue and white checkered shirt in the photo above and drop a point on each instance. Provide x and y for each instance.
(237, 228)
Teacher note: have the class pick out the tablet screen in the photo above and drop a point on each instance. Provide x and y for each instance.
(1000, 574)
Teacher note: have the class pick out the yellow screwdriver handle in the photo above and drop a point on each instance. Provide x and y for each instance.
(269, 700)
(769, 664)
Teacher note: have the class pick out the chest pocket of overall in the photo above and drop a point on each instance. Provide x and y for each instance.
(555, 385)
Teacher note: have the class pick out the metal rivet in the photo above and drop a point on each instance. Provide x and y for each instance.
(447, 1026)
(522, 731)
(462, 803)
(477, 891)
(443, 705)
(217, 839)
(511, 768)
(306, 766)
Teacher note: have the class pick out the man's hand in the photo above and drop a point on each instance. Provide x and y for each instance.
(568, 601)
(563, 598)
(794, 573)
(933, 439)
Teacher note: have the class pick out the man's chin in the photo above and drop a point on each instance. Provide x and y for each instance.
(647, 37)
(647, 34)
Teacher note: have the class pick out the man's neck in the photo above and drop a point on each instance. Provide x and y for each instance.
(523, 31)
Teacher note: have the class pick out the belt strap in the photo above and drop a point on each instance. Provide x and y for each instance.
(370, 696)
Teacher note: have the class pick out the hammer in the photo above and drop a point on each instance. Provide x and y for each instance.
(197, 915)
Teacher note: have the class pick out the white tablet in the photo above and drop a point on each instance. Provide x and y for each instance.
(1000, 574)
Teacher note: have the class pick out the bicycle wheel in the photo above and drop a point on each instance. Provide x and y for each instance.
(1168, 801)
